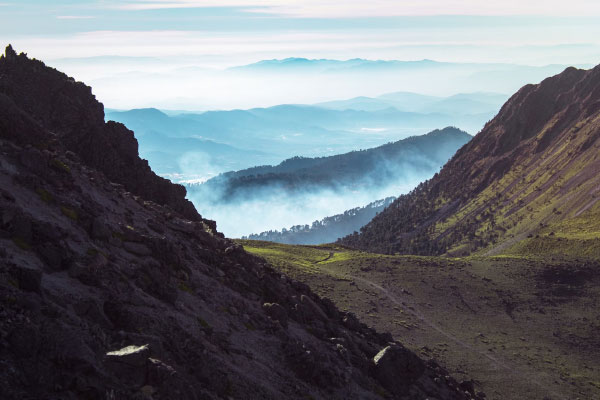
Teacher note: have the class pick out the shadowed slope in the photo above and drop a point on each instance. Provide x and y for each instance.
(69, 109)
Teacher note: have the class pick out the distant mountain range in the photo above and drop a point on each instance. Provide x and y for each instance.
(460, 104)
(187, 84)
(528, 183)
(186, 146)
(295, 63)
(360, 64)
(327, 230)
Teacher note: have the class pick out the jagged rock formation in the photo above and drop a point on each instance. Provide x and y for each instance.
(112, 287)
(68, 108)
(528, 181)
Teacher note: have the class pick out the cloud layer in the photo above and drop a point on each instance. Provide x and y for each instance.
(381, 8)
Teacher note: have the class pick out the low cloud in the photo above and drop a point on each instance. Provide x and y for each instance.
(277, 208)
(274, 206)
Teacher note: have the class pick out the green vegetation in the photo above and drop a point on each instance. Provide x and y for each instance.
(303, 257)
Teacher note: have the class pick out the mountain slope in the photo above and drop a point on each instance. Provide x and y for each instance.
(530, 171)
(106, 293)
(327, 230)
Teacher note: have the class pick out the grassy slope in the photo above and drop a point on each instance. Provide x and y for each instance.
(555, 189)
(494, 193)
(522, 326)
(554, 192)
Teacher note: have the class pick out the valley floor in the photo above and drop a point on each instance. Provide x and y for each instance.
(521, 327)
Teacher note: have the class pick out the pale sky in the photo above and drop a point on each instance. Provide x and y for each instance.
(238, 31)
(82, 37)
(381, 8)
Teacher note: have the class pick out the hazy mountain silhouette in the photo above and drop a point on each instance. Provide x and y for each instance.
(222, 141)
(459, 104)
(357, 170)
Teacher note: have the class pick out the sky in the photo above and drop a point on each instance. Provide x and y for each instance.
(228, 32)
(96, 40)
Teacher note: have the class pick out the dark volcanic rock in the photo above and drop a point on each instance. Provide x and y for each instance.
(397, 368)
(277, 313)
(73, 113)
(91, 272)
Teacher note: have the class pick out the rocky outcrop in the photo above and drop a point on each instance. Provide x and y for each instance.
(108, 293)
(397, 368)
(70, 110)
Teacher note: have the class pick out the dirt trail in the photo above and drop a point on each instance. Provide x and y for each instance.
(411, 308)
(325, 259)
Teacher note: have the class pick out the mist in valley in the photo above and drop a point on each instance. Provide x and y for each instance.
(276, 207)
(299, 191)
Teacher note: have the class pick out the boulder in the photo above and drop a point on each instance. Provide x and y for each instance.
(351, 322)
(396, 368)
(129, 364)
(134, 356)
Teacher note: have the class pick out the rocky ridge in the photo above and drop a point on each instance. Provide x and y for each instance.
(113, 287)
